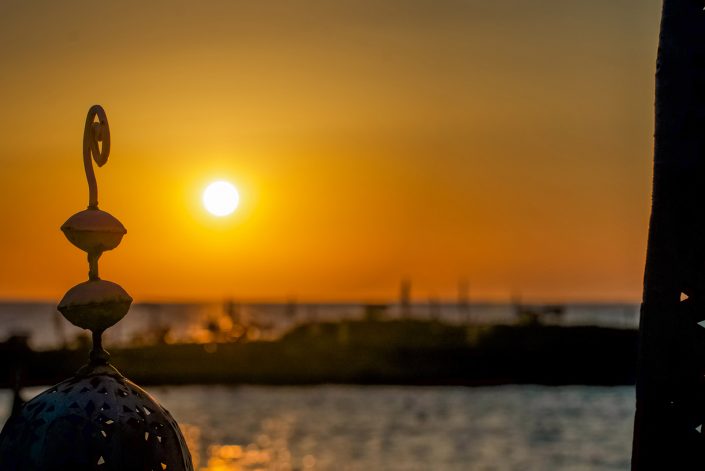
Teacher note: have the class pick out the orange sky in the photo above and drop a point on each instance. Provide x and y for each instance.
(508, 143)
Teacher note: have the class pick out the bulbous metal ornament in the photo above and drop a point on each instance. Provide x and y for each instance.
(98, 420)
(95, 304)
(93, 230)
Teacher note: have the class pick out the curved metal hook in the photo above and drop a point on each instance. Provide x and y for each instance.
(96, 146)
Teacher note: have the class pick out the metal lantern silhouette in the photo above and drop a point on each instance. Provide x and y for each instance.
(98, 419)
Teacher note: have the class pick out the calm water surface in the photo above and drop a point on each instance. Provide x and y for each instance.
(401, 428)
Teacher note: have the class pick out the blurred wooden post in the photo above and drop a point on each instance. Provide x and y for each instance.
(668, 430)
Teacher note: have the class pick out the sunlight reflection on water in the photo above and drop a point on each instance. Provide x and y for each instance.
(401, 428)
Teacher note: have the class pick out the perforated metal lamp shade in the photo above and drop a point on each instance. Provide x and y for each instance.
(94, 422)
(98, 419)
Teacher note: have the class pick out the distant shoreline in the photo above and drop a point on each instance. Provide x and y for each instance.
(394, 352)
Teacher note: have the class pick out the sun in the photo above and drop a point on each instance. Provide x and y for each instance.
(220, 198)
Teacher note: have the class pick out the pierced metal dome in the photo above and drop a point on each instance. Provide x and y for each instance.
(98, 419)
(94, 422)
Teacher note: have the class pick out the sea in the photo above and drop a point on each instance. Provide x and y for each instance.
(370, 428)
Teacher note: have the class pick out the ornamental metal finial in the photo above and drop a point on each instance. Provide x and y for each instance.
(96, 144)
(95, 304)
(97, 420)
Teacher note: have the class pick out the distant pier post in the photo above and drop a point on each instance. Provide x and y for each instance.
(405, 299)
(464, 300)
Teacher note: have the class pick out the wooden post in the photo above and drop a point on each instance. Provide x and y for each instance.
(670, 394)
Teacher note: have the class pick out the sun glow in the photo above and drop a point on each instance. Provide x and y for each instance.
(220, 198)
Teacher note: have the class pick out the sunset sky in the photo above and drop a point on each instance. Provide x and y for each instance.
(505, 142)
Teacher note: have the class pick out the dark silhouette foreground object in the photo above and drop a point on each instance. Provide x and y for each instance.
(98, 419)
(668, 428)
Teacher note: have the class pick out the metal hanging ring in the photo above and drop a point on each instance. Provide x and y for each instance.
(96, 147)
